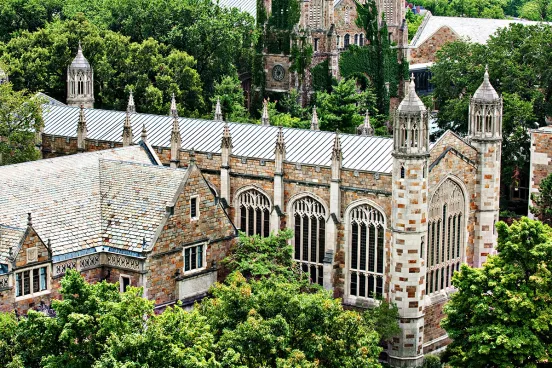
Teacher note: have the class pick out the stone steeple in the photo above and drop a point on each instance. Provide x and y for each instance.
(410, 212)
(174, 110)
(314, 120)
(365, 129)
(127, 131)
(81, 131)
(265, 119)
(80, 82)
(176, 141)
(485, 134)
(131, 107)
(218, 111)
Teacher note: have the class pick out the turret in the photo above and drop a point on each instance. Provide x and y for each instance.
(80, 82)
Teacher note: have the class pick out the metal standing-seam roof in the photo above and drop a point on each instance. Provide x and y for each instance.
(114, 198)
(303, 146)
(249, 6)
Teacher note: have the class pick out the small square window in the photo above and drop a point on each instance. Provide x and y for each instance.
(124, 283)
(194, 209)
(194, 258)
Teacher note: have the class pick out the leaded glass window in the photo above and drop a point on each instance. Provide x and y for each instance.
(254, 213)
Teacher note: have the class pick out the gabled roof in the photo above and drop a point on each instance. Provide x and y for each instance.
(110, 198)
(9, 237)
(477, 30)
(249, 140)
(49, 100)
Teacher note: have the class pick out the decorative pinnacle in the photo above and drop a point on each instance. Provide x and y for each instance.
(366, 128)
(226, 137)
(265, 120)
(280, 143)
(175, 133)
(412, 83)
(144, 133)
(192, 156)
(82, 118)
(174, 111)
(127, 120)
(218, 111)
(486, 75)
(336, 151)
(29, 220)
(131, 107)
(80, 47)
(314, 120)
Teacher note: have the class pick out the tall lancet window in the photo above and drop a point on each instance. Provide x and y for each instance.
(446, 236)
(254, 213)
(366, 252)
(309, 242)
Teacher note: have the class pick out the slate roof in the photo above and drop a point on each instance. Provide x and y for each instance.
(49, 100)
(9, 237)
(303, 146)
(111, 198)
(477, 30)
(249, 6)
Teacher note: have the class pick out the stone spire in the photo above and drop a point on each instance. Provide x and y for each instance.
(80, 82)
(174, 110)
(127, 131)
(411, 102)
(265, 120)
(314, 120)
(81, 130)
(280, 151)
(176, 142)
(218, 111)
(486, 92)
(144, 135)
(365, 129)
(131, 107)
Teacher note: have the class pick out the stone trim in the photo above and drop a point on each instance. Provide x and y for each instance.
(455, 152)
(254, 177)
(363, 190)
(306, 183)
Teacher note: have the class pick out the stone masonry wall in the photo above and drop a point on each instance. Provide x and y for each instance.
(541, 157)
(426, 52)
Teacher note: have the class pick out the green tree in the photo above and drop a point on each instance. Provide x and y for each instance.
(29, 15)
(500, 314)
(20, 120)
(537, 10)
(232, 100)
(543, 201)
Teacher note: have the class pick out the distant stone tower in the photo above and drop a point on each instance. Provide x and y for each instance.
(80, 82)
(409, 227)
(485, 134)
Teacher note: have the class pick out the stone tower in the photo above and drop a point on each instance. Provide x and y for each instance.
(409, 227)
(80, 82)
(485, 134)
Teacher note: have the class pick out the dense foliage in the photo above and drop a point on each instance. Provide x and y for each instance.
(20, 118)
(266, 313)
(500, 315)
(538, 10)
(518, 59)
(542, 201)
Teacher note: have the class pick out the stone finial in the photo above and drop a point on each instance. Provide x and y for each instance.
(314, 120)
(81, 130)
(144, 135)
(365, 129)
(265, 119)
(226, 137)
(336, 150)
(411, 102)
(280, 142)
(131, 107)
(486, 92)
(174, 110)
(29, 219)
(127, 131)
(218, 111)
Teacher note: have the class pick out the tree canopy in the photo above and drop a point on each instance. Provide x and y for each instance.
(20, 118)
(500, 315)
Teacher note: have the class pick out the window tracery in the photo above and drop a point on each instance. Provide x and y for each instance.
(309, 242)
(445, 236)
(254, 213)
(366, 252)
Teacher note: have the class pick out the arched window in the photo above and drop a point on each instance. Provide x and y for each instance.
(446, 236)
(361, 39)
(489, 122)
(309, 243)
(356, 39)
(254, 213)
(478, 122)
(366, 252)
(347, 40)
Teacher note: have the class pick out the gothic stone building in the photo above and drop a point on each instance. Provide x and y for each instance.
(373, 216)
(331, 28)
(117, 215)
